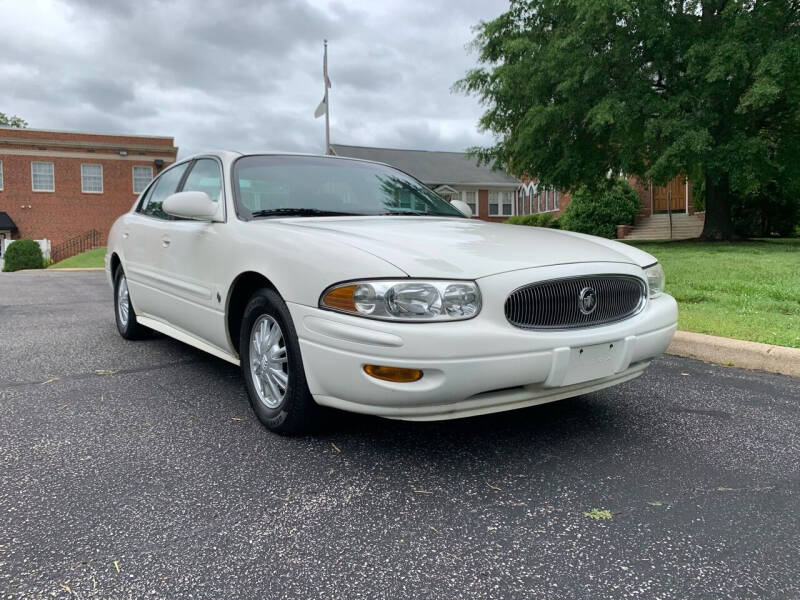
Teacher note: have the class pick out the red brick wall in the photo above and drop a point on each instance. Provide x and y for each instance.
(39, 136)
(68, 212)
(643, 189)
(564, 199)
(483, 205)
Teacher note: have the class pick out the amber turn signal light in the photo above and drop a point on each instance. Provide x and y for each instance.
(341, 298)
(395, 374)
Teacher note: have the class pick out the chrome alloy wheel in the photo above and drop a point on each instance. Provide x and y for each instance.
(269, 366)
(123, 302)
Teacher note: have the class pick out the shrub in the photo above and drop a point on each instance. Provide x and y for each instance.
(23, 254)
(535, 220)
(599, 209)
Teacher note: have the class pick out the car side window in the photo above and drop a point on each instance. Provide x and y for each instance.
(165, 186)
(205, 177)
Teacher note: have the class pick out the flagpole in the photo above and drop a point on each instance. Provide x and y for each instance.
(327, 104)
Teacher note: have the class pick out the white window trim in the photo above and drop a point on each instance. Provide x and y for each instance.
(83, 190)
(2, 180)
(133, 177)
(477, 203)
(507, 199)
(43, 162)
(496, 203)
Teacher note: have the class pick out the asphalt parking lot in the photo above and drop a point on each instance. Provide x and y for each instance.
(136, 470)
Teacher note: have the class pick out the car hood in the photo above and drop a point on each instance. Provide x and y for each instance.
(466, 248)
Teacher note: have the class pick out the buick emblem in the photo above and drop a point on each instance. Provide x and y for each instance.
(587, 300)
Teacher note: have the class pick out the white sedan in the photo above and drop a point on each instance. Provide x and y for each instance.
(349, 284)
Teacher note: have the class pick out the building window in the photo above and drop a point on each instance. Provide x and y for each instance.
(501, 204)
(555, 199)
(42, 178)
(141, 177)
(92, 179)
(471, 198)
(1, 174)
(494, 204)
(507, 198)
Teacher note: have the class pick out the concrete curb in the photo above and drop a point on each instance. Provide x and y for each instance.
(736, 353)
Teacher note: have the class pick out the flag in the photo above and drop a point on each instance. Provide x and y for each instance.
(325, 67)
(321, 108)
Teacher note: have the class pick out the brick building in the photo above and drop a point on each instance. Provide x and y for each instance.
(676, 197)
(533, 198)
(56, 185)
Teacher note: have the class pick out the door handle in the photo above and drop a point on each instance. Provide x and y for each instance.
(165, 241)
(125, 235)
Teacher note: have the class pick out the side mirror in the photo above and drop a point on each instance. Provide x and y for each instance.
(462, 207)
(190, 205)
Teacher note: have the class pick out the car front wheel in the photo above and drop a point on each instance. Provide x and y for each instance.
(273, 368)
(123, 309)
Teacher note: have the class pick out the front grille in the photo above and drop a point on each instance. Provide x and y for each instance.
(559, 303)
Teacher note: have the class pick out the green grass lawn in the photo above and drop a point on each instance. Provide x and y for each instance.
(92, 258)
(745, 290)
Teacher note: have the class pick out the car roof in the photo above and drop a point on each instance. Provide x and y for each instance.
(231, 155)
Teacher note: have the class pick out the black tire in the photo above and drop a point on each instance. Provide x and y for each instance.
(130, 330)
(296, 412)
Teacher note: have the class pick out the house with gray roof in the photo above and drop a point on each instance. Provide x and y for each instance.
(490, 193)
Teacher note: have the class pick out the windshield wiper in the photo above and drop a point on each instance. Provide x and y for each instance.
(298, 212)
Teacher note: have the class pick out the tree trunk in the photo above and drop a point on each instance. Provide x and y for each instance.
(718, 224)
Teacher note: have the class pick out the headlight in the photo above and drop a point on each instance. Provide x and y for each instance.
(655, 279)
(405, 299)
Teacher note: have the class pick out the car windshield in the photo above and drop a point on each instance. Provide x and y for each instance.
(267, 186)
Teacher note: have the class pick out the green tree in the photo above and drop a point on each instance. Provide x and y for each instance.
(12, 121)
(575, 89)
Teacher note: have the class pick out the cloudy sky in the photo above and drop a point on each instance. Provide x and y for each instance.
(245, 74)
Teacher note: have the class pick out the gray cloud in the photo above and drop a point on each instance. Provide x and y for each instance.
(245, 74)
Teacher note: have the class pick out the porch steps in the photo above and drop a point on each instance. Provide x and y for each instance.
(656, 227)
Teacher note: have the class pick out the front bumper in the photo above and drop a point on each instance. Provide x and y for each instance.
(477, 366)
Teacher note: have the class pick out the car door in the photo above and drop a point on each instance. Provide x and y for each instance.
(143, 245)
(191, 261)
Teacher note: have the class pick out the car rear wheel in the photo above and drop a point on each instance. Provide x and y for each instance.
(273, 368)
(123, 309)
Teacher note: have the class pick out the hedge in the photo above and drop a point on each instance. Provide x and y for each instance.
(535, 220)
